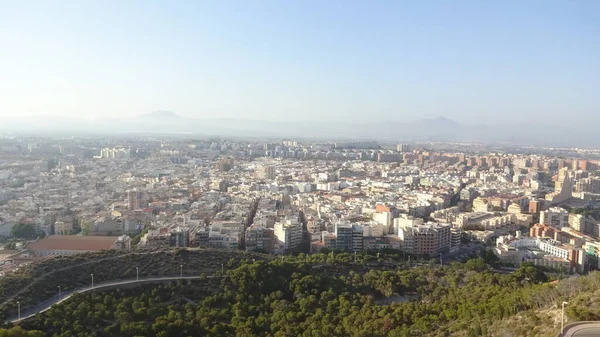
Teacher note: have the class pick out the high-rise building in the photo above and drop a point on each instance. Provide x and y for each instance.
(259, 238)
(385, 219)
(357, 238)
(179, 237)
(426, 239)
(455, 238)
(135, 200)
(288, 234)
(403, 148)
(344, 233)
(535, 206)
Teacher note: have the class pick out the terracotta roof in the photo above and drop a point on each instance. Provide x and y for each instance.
(73, 242)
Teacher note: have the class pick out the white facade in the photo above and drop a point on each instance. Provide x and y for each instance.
(385, 219)
(288, 234)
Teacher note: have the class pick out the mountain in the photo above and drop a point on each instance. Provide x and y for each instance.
(161, 115)
(440, 129)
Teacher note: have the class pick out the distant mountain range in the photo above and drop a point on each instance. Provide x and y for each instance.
(440, 129)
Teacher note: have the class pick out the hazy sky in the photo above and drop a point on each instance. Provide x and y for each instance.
(472, 61)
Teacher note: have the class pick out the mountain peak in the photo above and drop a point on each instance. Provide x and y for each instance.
(162, 114)
(441, 121)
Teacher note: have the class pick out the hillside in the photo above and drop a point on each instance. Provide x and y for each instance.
(325, 295)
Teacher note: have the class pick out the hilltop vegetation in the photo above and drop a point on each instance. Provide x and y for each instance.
(331, 296)
(40, 281)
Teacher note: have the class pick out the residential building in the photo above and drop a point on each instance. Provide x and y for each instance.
(426, 239)
(179, 237)
(288, 234)
(259, 238)
(556, 217)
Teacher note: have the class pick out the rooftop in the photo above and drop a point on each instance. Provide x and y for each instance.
(73, 242)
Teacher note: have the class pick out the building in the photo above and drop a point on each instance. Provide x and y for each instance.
(357, 238)
(563, 188)
(202, 237)
(225, 164)
(481, 205)
(426, 239)
(403, 148)
(75, 244)
(541, 251)
(385, 219)
(405, 220)
(556, 217)
(265, 172)
(135, 200)
(259, 238)
(580, 223)
(179, 237)
(535, 206)
(591, 185)
(63, 228)
(288, 234)
(542, 231)
(455, 239)
(344, 233)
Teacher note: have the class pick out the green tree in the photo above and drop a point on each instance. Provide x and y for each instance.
(23, 231)
(19, 332)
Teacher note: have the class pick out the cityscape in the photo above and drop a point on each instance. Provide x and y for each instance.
(283, 197)
(299, 168)
(288, 196)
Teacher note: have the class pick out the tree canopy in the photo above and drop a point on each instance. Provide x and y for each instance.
(23, 231)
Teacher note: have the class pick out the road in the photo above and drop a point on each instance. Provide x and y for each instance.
(34, 281)
(581, 329)
(45, 305)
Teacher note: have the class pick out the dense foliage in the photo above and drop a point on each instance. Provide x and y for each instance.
(23, 231)
(35, 283)
(19, 332)
(326, 295)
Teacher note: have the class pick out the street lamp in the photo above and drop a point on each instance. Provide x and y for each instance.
(221, 269)
(59, 294)
(137, 274)
(92, 281)
(19, 310)
(562, 317)
(180, 271)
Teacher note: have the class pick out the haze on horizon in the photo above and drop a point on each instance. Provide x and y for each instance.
(469, 61)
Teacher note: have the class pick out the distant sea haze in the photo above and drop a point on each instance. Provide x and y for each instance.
(439, 129)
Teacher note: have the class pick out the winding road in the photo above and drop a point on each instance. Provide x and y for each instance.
(581, 329)
(45, 305)
(13, 296)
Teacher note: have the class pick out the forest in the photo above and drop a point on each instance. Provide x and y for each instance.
(298, 296)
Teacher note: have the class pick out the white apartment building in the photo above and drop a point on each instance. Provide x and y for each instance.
(556, 217)
(288, 235)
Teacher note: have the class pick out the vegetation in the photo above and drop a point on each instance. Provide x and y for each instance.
(10, 246)
(331, 295)
(40, 281)
(23, 231)
(593, 212)
(19, 332)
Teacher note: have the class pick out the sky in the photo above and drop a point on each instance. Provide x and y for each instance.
(470, 61)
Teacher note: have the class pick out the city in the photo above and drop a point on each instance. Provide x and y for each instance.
(299, 168)
(280, 197)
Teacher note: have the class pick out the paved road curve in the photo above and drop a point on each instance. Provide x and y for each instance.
(45, 305)
(581, 329)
